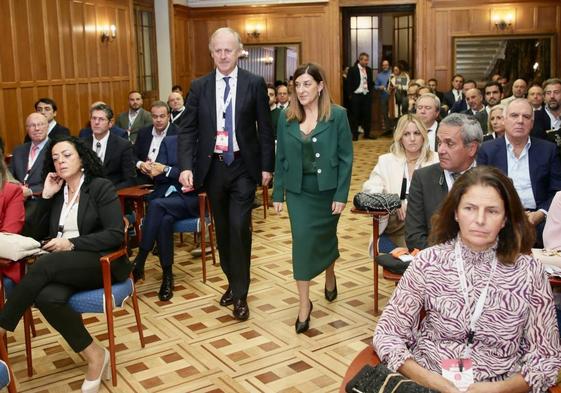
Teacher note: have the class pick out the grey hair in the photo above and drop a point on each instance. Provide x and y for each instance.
(470, 128)
(104, 108)
(228, 30)
(519, 101)
(434, 97)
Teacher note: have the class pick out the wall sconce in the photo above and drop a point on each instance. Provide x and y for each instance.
(109, 33)
(503, 20)
(253, 30)
(268, 60)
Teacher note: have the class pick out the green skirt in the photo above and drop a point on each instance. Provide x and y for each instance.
(314, 229)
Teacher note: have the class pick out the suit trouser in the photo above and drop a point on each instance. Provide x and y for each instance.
(49, 283)
(231, 191)
(158, 223)
(361, 113)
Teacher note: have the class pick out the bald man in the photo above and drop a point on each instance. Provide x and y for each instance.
(474, 100)
(519, 90)
(177, 107)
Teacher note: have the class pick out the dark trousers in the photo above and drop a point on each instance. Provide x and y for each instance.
(231, 191)
(361, 113)
(49, 283)
(384, 100)
(158, 223)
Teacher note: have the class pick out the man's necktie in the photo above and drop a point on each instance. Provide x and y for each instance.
(455, 175)
(281, 107)
(228, 124)
(32, 155)
(98, 149)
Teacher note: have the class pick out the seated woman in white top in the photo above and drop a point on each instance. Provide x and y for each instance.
(393, 172)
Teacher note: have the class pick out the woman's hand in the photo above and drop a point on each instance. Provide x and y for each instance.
(278, 207)
(53, 183)
(337, 207)
(401, 212)
(58, 244)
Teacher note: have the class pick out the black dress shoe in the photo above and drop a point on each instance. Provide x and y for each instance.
(241, 310)
(227, 299)
(166, 290)
(302, 327)
(137, 272)
(331, 295)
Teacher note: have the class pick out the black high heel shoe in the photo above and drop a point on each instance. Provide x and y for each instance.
(137, 272)
(331, 295)
(302, 327)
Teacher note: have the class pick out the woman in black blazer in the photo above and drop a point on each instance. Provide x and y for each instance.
(81, 214)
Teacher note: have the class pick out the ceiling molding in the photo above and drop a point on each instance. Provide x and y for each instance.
(233, 3)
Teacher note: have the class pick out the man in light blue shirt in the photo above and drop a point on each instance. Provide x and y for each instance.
(381, 84)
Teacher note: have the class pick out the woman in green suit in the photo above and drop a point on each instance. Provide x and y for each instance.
(313, 169)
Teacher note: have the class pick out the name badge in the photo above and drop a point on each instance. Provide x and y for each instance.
(459, 372)
(222, 140)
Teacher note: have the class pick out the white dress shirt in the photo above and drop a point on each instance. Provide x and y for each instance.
(156, 143)
(220, 110)
(519, 172)
(103, 142)
(363, 87)
(555, 121)
(431, 133)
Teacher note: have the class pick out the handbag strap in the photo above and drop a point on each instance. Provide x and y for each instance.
(386, 381)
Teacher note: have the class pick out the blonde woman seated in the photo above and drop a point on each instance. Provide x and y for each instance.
(495, 123)
(393, 172)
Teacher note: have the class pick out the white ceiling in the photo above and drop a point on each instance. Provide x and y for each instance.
(226, 3)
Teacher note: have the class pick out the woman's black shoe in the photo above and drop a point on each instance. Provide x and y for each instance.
(301, 327)
(331, 295)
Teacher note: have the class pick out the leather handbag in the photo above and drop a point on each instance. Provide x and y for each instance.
(15, 247)
(377, 202)
(380, 379)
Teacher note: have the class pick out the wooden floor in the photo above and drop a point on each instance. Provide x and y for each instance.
(194, 345)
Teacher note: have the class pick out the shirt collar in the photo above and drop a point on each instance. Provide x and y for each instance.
(40, 144)
(52, 125)
(510, 147)
(102, 140)
(551, 114)
(233, 74)
(163, 134)
(433, 127)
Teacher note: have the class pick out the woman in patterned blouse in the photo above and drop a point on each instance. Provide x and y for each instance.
(482, 246)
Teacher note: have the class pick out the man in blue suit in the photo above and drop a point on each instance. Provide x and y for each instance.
(531, 163)
(167, 204)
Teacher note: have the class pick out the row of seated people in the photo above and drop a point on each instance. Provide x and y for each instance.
(148, 161)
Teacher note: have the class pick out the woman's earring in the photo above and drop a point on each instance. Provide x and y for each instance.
(82, 169)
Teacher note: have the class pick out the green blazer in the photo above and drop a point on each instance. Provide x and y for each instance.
(333, 148)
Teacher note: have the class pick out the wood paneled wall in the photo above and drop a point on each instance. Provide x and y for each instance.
(440, 21)
(52, 48)
(316, 28)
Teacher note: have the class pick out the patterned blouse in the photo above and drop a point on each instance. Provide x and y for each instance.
(516, 333)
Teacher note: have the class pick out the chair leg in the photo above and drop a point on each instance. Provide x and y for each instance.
(212, 245)
(27, 322)
(111, 337)
(203, 249)
(4, 356)
(181, 238)
(265, 201)
(137, 316)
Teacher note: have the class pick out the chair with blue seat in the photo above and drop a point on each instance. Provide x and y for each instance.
(194, 225)
(6, 375)
(104, 300)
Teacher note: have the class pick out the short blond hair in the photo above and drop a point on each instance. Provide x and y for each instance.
(222, 30)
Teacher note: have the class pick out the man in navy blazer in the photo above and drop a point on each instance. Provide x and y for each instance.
(149, 139)
(167, 204)
(226, 145)
(48, 108)
(531, 163)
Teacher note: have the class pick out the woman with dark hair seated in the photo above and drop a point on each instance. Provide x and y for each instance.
(81, 214)
(489, 308)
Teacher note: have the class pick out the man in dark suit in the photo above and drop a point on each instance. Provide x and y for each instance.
(135, 118)
(455, 93)
(433, 86)
(474, 99)
(167, 205)
(115, 153)
(459, 137)
(360, 87)
(547, 122)
(536, 97)
(428, 110)
(48, 108)
(231, 161)
(461, 105)
(275, 111)
(177, 105)
(531, 163)
(149, 139)
(87, 131)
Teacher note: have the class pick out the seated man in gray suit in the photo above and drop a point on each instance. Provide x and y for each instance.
(458, 139)
(135, 118)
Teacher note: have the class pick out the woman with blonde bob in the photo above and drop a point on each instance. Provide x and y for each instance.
(313, 171)
(487, 302)
(393, 173)
(495, 123)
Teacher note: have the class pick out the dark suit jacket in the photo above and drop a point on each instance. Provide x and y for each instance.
(18, 166)
(275, 114)
(427, 191)
(178, 121)
(143, 119)
(489, 137)
(167, 156)
(449, 99)
(542, 123)
(254, 132)
(481, 117)
(56, 132)
(353, 79)
(118, 163)
(141, 149)
(459, 107)
(100, 220)
(545, 168)
(87, 131)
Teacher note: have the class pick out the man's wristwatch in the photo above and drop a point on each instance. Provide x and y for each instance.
(167, 170)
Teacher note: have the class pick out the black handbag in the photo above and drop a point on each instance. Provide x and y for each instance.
(380, 379)
(377, 202)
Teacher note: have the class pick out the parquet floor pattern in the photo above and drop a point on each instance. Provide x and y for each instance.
(194, 345)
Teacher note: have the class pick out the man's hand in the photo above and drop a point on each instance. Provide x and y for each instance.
(27, 192)
(278, 207)
(266, 178)
(186, 178)
(157, 169)
(535, 217)
(337, 207)
(145, 167)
